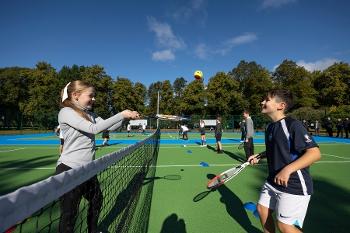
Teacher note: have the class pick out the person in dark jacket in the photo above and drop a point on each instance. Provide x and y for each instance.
(329, 126)
(340, 128)
(346, 127)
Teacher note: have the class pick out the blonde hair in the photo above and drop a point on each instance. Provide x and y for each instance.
(76, 86)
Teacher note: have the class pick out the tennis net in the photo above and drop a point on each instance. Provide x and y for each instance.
(126, 197)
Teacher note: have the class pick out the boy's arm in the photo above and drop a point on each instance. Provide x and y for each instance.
(310, 156)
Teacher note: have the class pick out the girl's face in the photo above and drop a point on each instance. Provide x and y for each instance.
(86, 98)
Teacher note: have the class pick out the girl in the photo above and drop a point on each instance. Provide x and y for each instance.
(79, 127)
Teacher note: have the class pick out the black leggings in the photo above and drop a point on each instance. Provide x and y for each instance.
(69, 203)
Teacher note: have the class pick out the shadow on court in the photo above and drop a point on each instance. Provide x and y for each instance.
(329, 208)
(173, 224)
(148, 180)
(235, 156)
(22, 167)
(234, 207)
(211, 148)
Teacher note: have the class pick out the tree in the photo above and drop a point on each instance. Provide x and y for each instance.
(223, 95)
(122, 95)
(166, 98)
(140, 93)
(166, 93)
(254, 82)
(179, 87)
(153, 90)
(192, 100)
(333, 85)
(298, 80)
(13, 95)
(44, 96)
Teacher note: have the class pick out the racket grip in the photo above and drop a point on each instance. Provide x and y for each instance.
(259, 156)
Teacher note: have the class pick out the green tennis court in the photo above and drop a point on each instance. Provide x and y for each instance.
(181, 202)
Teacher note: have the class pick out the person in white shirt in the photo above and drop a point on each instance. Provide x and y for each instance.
(184, 132)
(202, 131)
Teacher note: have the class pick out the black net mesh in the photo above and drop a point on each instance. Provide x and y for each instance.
(119, 195)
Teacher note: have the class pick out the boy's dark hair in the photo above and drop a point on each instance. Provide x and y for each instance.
(284, 96)
(246, 111)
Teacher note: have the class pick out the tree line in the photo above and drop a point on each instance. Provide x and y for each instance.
(30, 97)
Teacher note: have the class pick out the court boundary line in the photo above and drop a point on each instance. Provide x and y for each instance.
(169, 165)
(4, 151)
(336, 156)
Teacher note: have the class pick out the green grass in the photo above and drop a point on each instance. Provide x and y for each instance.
(173, 205)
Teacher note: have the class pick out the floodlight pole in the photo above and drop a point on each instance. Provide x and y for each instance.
(157, 109)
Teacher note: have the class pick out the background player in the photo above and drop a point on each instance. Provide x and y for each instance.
(202, 132)
(249, 134)
(218, 135)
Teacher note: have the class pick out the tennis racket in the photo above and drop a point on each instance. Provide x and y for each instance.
(168, 117)
(171, 117)
(227, 175)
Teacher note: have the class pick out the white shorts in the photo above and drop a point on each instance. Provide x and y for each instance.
(290, 209)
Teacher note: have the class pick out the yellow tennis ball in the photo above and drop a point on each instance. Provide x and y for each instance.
(198, 74)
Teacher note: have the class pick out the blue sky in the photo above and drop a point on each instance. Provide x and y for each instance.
(151, 40)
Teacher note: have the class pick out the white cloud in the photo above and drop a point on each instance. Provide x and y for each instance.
(236, 41)
(202, 51)
(164, 55)
(164, 35)
(194, 9)
(275, 3)
(317, 65)
(242, 39)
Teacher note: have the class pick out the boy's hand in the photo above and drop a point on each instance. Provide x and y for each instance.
(253, 160)
(282, 177)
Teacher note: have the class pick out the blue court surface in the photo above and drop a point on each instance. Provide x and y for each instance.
(51, 139)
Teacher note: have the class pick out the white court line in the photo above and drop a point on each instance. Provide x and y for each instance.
(4, 151)
(335, 156)
(165, 166)
(198, 146)
(233, 164)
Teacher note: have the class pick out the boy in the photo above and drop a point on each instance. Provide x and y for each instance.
(289, 151)
(249, 134)
(218, 135)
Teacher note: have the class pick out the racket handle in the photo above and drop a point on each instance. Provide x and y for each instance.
(259, 156)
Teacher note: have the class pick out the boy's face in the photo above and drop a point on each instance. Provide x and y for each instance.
(245, 115)
(271, 105)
